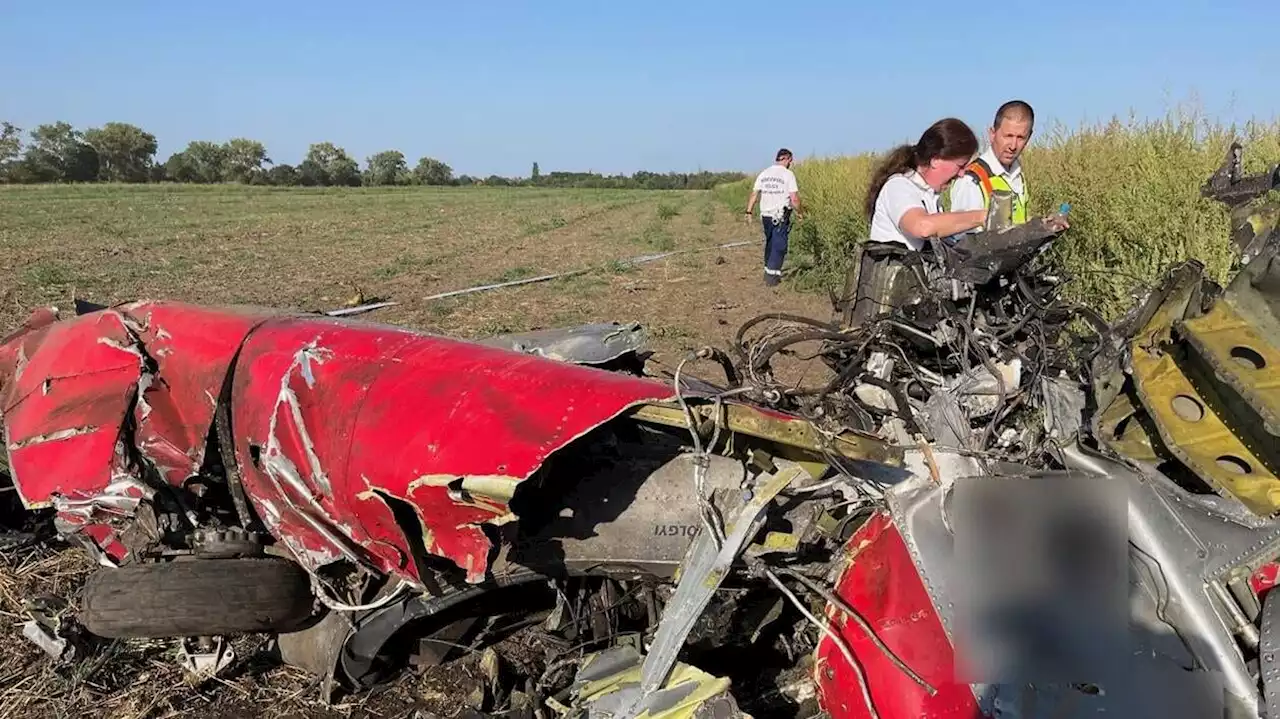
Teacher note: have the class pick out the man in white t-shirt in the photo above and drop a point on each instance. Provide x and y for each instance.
(779, 197)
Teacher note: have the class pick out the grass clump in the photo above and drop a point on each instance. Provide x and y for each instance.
(655, 236)
(47, 274)
(516, 273)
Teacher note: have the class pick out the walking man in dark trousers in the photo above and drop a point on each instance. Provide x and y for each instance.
(779, 197)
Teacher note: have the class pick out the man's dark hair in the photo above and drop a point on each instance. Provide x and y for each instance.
(1014, 110)
(783, 154)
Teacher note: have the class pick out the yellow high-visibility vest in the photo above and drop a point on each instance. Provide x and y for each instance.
(990, 182)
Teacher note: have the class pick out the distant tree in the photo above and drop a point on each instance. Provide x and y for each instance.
(311, 174)
(387, 168)
(159, 173)
(58, 153)
(328, 164)
(535, 175)
(497, 180)
(178, 168)
(10, 141)
(243, 160)
(10, 149)
(432, 172)
(284, 176)
(202, 162)
(643, 180)
(464, 180)
(125, 152)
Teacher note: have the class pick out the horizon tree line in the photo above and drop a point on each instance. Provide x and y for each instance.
(121, 152)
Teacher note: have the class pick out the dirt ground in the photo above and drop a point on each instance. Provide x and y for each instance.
(318, 249)
(315, 249)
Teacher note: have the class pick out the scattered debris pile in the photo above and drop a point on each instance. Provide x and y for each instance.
(372, 496)
(976, 354)
(592, 541)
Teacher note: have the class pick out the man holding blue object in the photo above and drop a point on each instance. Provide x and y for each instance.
(998, 169)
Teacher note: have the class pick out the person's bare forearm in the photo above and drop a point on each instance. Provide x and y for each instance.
(751, 202)
(921, 224)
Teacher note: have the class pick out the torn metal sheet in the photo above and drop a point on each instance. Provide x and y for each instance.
(705, 567)
(1200, 436)
(593, 344)
(981, 257)
(1064, 404)
(97, 400)
(607, 678)
(50, 629)
(1193, 415)
(979, 391)
(1125, 427)
(164, 362)
(947, 423)
(1252, 226)
(56, 647)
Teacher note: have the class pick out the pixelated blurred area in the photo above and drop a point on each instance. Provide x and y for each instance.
(1045, 567)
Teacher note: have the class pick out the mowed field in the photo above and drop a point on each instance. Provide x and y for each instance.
(313, 249)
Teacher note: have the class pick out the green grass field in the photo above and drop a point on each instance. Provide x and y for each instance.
(1134, 188)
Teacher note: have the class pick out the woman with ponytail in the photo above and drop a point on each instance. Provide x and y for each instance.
(902, 200)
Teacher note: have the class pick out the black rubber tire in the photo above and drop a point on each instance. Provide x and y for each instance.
(199, 597)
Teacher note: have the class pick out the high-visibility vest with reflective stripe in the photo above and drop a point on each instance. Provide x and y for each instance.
(990, 182)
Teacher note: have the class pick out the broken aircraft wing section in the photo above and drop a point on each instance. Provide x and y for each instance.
(338, 427)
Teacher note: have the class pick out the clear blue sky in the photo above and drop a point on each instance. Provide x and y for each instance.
(491, 87)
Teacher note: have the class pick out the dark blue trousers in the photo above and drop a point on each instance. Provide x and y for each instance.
(776, 236)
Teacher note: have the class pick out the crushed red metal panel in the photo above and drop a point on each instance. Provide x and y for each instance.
(883, 584)
(93, 522)
(333, 420)
(68, 388)
(70, 385)
(74, 381)
(193, 348)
